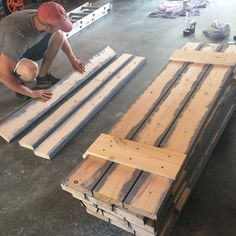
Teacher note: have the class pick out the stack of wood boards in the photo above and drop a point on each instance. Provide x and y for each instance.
(174, 125)
(73, 104)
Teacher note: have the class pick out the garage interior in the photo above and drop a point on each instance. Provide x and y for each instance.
(32, 201)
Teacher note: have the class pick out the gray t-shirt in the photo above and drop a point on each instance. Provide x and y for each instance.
(17, 34)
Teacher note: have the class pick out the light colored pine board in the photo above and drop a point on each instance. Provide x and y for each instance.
(122, 225)
(115, 218)
(68, 129)
(137, 155)
(55, 119)
(98, 215)
(163, 116)
(22, 119)
(195, 113)
(214, 58)
(128, 202)
(121, 184)
(81, 182)
(128, 124)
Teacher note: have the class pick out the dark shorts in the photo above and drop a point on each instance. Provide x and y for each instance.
(37, 52)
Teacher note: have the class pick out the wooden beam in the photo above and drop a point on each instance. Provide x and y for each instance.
(214, 58)
(68, 129)
(137, 155)
(23, 118)
(55, 119)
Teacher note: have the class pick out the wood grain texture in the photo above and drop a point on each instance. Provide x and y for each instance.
(143, 184)
(214, 58)
(111, 178)
(50, 146)
(195, 113)
(19, 121)
(55, 119)
(124, 127)
(137, 155)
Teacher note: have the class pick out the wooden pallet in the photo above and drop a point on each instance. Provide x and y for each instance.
(180, 113)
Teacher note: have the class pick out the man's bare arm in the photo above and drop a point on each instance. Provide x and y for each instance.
(77, 64)
(7, 78)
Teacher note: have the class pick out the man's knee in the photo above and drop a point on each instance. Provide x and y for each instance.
(27, 69)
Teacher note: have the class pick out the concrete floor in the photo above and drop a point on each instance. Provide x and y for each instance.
(31, 199)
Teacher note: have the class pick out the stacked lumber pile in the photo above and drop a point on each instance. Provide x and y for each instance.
(73, 104)
(139, 176)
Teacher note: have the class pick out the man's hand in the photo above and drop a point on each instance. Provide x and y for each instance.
(42, 95)
(78, 65)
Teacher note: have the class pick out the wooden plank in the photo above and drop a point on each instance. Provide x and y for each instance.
(131, 121)
(140, 231)
(22, 119)
(196, 112)
(137, 113)
(173, 215)
(98, 215)
(214, 58)
(172, 104)
(148, 186)
(68, 129)
(81, 182)
(122, 177)
(54, 120)
(137, 155)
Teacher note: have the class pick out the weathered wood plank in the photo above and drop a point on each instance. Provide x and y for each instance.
(19, 121)
(139, 196)
(81, 182)
(68, 129)
(214, 58)
(137, 155)
(132, 120)
(54, 120)
(173, 141)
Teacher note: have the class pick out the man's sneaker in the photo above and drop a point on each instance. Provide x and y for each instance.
(46, 81)
(22, 97)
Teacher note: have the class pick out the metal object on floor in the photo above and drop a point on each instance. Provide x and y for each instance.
(190, 30)
(85, 15)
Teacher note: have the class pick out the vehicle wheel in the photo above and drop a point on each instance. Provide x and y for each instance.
(10, 6)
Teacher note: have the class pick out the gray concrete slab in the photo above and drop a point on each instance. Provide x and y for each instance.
(31, 199)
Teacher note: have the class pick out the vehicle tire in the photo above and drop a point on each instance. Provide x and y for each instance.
(10, 6)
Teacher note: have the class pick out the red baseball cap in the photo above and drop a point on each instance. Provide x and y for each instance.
(54, 14)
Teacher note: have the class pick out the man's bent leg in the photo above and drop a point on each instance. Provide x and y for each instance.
(54, 45)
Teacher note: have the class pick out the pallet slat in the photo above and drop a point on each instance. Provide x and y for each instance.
(214, 58)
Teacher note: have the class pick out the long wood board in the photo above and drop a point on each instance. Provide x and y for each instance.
(55, 119)
(50, 146)
(137, 155)
(214, 58)
(22, 119)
